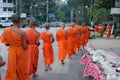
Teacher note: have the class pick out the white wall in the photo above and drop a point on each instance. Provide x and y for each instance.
(8, 5)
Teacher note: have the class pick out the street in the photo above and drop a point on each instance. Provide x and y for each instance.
(72, 70)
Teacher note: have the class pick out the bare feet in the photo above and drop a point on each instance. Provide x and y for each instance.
(35, 75)
(69, 57)
(2, 63)
(62, 62)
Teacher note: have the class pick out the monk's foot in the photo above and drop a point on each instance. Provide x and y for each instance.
(35, 75)
(50, 68)
(62, 62)
(2, 63)
(46, 69)
(69, 57)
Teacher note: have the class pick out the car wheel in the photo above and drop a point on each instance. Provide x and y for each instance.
(1, 26)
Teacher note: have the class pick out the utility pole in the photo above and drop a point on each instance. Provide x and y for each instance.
(47, 10)
(91, 10)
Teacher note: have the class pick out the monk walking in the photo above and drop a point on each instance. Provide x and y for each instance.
(33, 52)
(70, 41)
(109, 31)
(83, 36)
(15, 39)
(61, 37)
(48, 39)
(77, 37)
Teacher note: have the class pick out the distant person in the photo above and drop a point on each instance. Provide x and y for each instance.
(109, 28)
(2, 63)
(61, 37)
(48, 39)
(70, 41)
(33, 51)
(15, 39)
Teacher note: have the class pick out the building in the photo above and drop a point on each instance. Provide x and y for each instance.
(116, 9)
(7, 8)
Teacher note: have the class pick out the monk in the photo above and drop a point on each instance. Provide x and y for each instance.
(77, 28)
(48, 39)
(61, 37)
(87, 33)
(15, 39)
(77, 37)
(33, 52)
(109, 27)
(83, 36)
(70, 41)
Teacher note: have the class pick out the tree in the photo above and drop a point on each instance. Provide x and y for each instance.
(59, 14)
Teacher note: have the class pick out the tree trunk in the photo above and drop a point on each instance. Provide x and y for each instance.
(72, 9)
(76, 16)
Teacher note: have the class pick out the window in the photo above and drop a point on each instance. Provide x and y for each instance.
(9, 9)
(3, 18)
(4, 9)
(4, 1)
(9, 1)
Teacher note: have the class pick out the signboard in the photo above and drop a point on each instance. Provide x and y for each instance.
(115, 10)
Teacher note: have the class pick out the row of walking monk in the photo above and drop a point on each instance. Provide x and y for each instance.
(23, 51)
(100, 28)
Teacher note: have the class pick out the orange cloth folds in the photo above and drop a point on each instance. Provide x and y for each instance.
(62, 44)
(32, 51)
(70, 41)
(17, 57)
(47, 47)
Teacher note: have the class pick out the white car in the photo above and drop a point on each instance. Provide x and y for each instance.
(5, 24)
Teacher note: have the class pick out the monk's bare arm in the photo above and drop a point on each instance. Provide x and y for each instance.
(52, 38)
(37, 40)
(24, 40)
(66, 34)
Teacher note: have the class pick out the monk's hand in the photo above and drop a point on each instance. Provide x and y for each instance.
(38, 44)
(7, 44)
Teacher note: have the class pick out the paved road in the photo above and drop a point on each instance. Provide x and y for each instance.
(72, 70)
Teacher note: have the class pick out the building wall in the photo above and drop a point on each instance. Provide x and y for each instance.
(117, 3)
(6, 8)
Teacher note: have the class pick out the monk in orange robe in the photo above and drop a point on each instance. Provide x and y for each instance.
(70, 41)
(33, 52)
(83, 36)
(15, 39)
(87, 33)
(77, 37)
(61, 37)
(48, 39)
(109, 27)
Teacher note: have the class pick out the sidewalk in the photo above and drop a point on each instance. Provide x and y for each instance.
(106, 44)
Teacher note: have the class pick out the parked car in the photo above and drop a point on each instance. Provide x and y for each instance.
(5, 24)
(54, 24)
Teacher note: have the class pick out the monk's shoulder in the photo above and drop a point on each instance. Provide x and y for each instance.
(21, 32)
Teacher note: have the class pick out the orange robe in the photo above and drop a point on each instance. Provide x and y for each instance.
(87, 34)
(70, 41)
(77, 37)
(62, 44)
(109, 31)
(83, 36)
(47, 47)
(32, 51)
(17, 57)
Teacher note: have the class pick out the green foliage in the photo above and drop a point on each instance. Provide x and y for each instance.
(59, 14)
